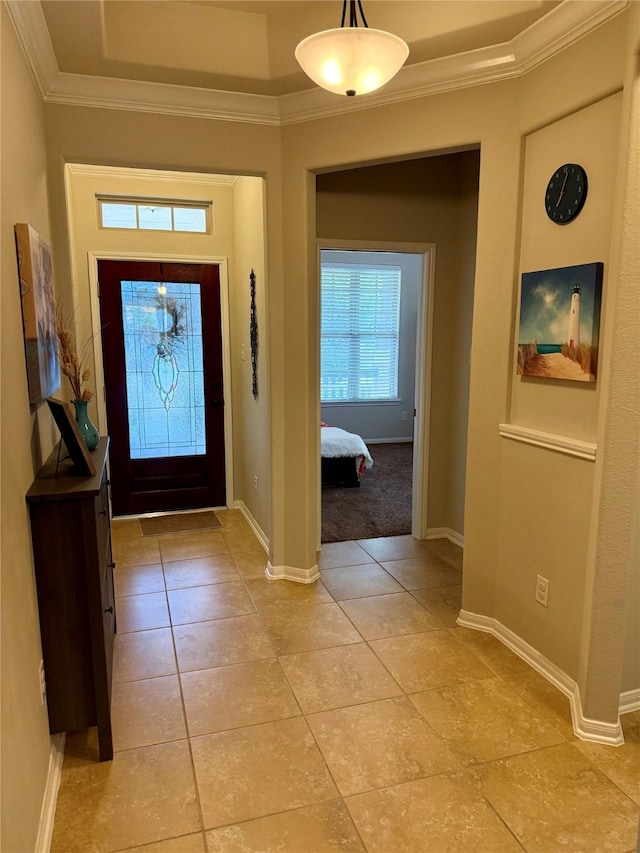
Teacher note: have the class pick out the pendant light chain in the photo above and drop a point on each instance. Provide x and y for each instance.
(353, 13)
(364, 20)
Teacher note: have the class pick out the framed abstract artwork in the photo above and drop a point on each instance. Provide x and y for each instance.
(560, 323)
(38, 313)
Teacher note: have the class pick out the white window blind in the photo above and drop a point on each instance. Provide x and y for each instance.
(360, 332)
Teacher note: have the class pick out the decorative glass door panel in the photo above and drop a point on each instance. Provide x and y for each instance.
(162, 348)
(162, 326)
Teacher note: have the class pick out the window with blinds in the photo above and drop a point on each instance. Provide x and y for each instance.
(360, 332)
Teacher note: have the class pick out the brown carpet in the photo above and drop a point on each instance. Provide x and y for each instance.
(381, 506)
(179, 523)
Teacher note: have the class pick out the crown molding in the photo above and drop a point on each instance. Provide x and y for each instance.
(31, 27)
(157, 175)
(562, 26)
(570, 22)
(110, 93)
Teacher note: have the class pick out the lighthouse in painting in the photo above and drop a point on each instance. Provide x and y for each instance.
(574, 318)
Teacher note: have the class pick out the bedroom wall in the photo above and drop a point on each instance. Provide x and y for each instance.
(428, 200)
(28, 436)
(377, 422)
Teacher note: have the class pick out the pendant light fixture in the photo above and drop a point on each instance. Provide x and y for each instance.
(352, 60)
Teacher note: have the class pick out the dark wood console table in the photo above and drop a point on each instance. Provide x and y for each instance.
(70, 530)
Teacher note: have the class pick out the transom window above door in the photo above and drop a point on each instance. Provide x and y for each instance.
(153, 215)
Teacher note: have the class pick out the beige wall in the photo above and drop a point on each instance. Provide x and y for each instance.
(251, 416)
(554, 491)
(429, 200)
(589, 137)
(27, 438)
(612, 566)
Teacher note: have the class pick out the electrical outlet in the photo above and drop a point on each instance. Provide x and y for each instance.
(405, 416)
(255, 483)
(542, 591)
(43, 685)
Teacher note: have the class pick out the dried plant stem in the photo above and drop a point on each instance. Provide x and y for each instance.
(72, 360)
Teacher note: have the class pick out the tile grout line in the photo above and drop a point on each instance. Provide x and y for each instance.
(196, 787)
(305, 716)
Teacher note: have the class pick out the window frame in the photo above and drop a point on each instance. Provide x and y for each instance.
(354, 337)
(205, 205)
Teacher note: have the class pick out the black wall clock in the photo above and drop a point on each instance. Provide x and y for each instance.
(566, 193)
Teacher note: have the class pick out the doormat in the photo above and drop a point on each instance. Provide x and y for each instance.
(180, 522)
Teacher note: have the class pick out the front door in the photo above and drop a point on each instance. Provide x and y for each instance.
(162, 353)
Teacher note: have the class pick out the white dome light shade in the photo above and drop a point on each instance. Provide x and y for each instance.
(352, 60)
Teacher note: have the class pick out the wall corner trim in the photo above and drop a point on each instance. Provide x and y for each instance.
(292, 573)
(596, 731)
(253, 524)
(50, 798)
(446, 533)
(630, 701)
(549, 441)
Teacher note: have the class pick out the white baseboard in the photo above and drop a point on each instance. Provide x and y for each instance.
(630, 701)
(597, 731)
(405, 440)
(292, 573)
(50, 798)
(445, 533)
(289, 573)
(253, 524)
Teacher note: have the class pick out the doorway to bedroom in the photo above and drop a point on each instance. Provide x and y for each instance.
(414, 205)
(372, 303)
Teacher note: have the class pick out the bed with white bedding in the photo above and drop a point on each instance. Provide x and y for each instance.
(345, 456)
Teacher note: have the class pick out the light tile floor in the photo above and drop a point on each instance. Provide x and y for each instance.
(349, 715)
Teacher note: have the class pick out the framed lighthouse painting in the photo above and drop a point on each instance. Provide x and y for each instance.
(560, 323)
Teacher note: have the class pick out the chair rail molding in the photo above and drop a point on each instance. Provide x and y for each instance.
(550, 441)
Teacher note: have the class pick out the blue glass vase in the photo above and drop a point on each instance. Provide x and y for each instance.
(87, 428)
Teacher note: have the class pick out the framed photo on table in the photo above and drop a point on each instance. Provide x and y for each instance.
(71, 435)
